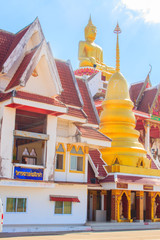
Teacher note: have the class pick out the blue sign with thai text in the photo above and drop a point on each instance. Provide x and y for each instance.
(28, 173)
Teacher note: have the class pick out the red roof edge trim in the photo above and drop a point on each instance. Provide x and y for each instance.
(64, 199)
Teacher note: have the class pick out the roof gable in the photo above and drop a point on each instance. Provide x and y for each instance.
(15, 81)
(137, 89)
(147, 100)
(47, 81)
(18, 46)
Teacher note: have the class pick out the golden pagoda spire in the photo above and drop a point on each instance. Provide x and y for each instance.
(117, 121)
(117, 30)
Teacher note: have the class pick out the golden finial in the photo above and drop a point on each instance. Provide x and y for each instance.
(117, 30)
(90, 20)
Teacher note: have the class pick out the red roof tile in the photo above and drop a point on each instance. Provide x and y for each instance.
(91, 175)
(76, 113)
(147, 100)
(136, 179)
(89, 132)
(8, 42)
(31, 97)
(135, 91)
(153, 165)
(5, 96)
(69, 95)
(98, 162)
(38, 98)
(15, 81)
(88, 107)
(109, 178)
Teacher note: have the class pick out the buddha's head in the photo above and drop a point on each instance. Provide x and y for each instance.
(90, 31)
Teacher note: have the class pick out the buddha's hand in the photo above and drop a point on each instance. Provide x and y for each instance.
(93, 60)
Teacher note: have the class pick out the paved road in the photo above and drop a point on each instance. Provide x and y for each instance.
(122, 235)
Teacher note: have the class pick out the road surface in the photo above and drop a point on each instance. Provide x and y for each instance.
(118, 235)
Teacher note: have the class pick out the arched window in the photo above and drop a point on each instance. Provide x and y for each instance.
(77, 160)
(60, 158)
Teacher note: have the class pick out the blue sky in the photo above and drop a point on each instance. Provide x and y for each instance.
(63, 23)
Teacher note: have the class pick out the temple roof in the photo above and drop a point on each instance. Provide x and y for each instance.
(89, 132)
(135, 91)
(89, 107)
(70, 95)
(147, 100)
(98, 162)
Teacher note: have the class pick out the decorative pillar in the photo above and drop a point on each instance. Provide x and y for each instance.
(139, 206)
(114, 206)
(149, 206)
(147, 135)
(129, 206)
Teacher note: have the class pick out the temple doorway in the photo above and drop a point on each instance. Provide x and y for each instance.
(94, 204)
(156, 210)
(99, 205)
(123, 208)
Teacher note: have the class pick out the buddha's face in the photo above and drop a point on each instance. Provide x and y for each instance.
(90, 33)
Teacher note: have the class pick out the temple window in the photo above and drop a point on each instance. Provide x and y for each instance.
(30, 138)
(76, 160)
(63, 207)
(60, 158)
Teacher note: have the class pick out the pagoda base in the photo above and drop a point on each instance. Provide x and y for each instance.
(132, 170)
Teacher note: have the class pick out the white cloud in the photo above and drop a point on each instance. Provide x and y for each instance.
(149, 10)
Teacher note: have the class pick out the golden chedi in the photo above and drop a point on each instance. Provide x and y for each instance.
(117, 121)
(90, 54)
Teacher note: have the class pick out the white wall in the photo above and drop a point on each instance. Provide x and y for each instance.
(71, 176)
(43, 84)
(94, 84)
(51, 147)
(8, 125)
(40, 210)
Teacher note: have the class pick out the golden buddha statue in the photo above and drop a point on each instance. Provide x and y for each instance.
(90, 54)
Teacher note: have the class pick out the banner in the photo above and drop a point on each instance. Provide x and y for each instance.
(28, 173)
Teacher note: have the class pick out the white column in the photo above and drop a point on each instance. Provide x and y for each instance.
(67, 169)
(85, 178)
(51, 147)
(102, 201)
(7, 141)
(147, 135)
